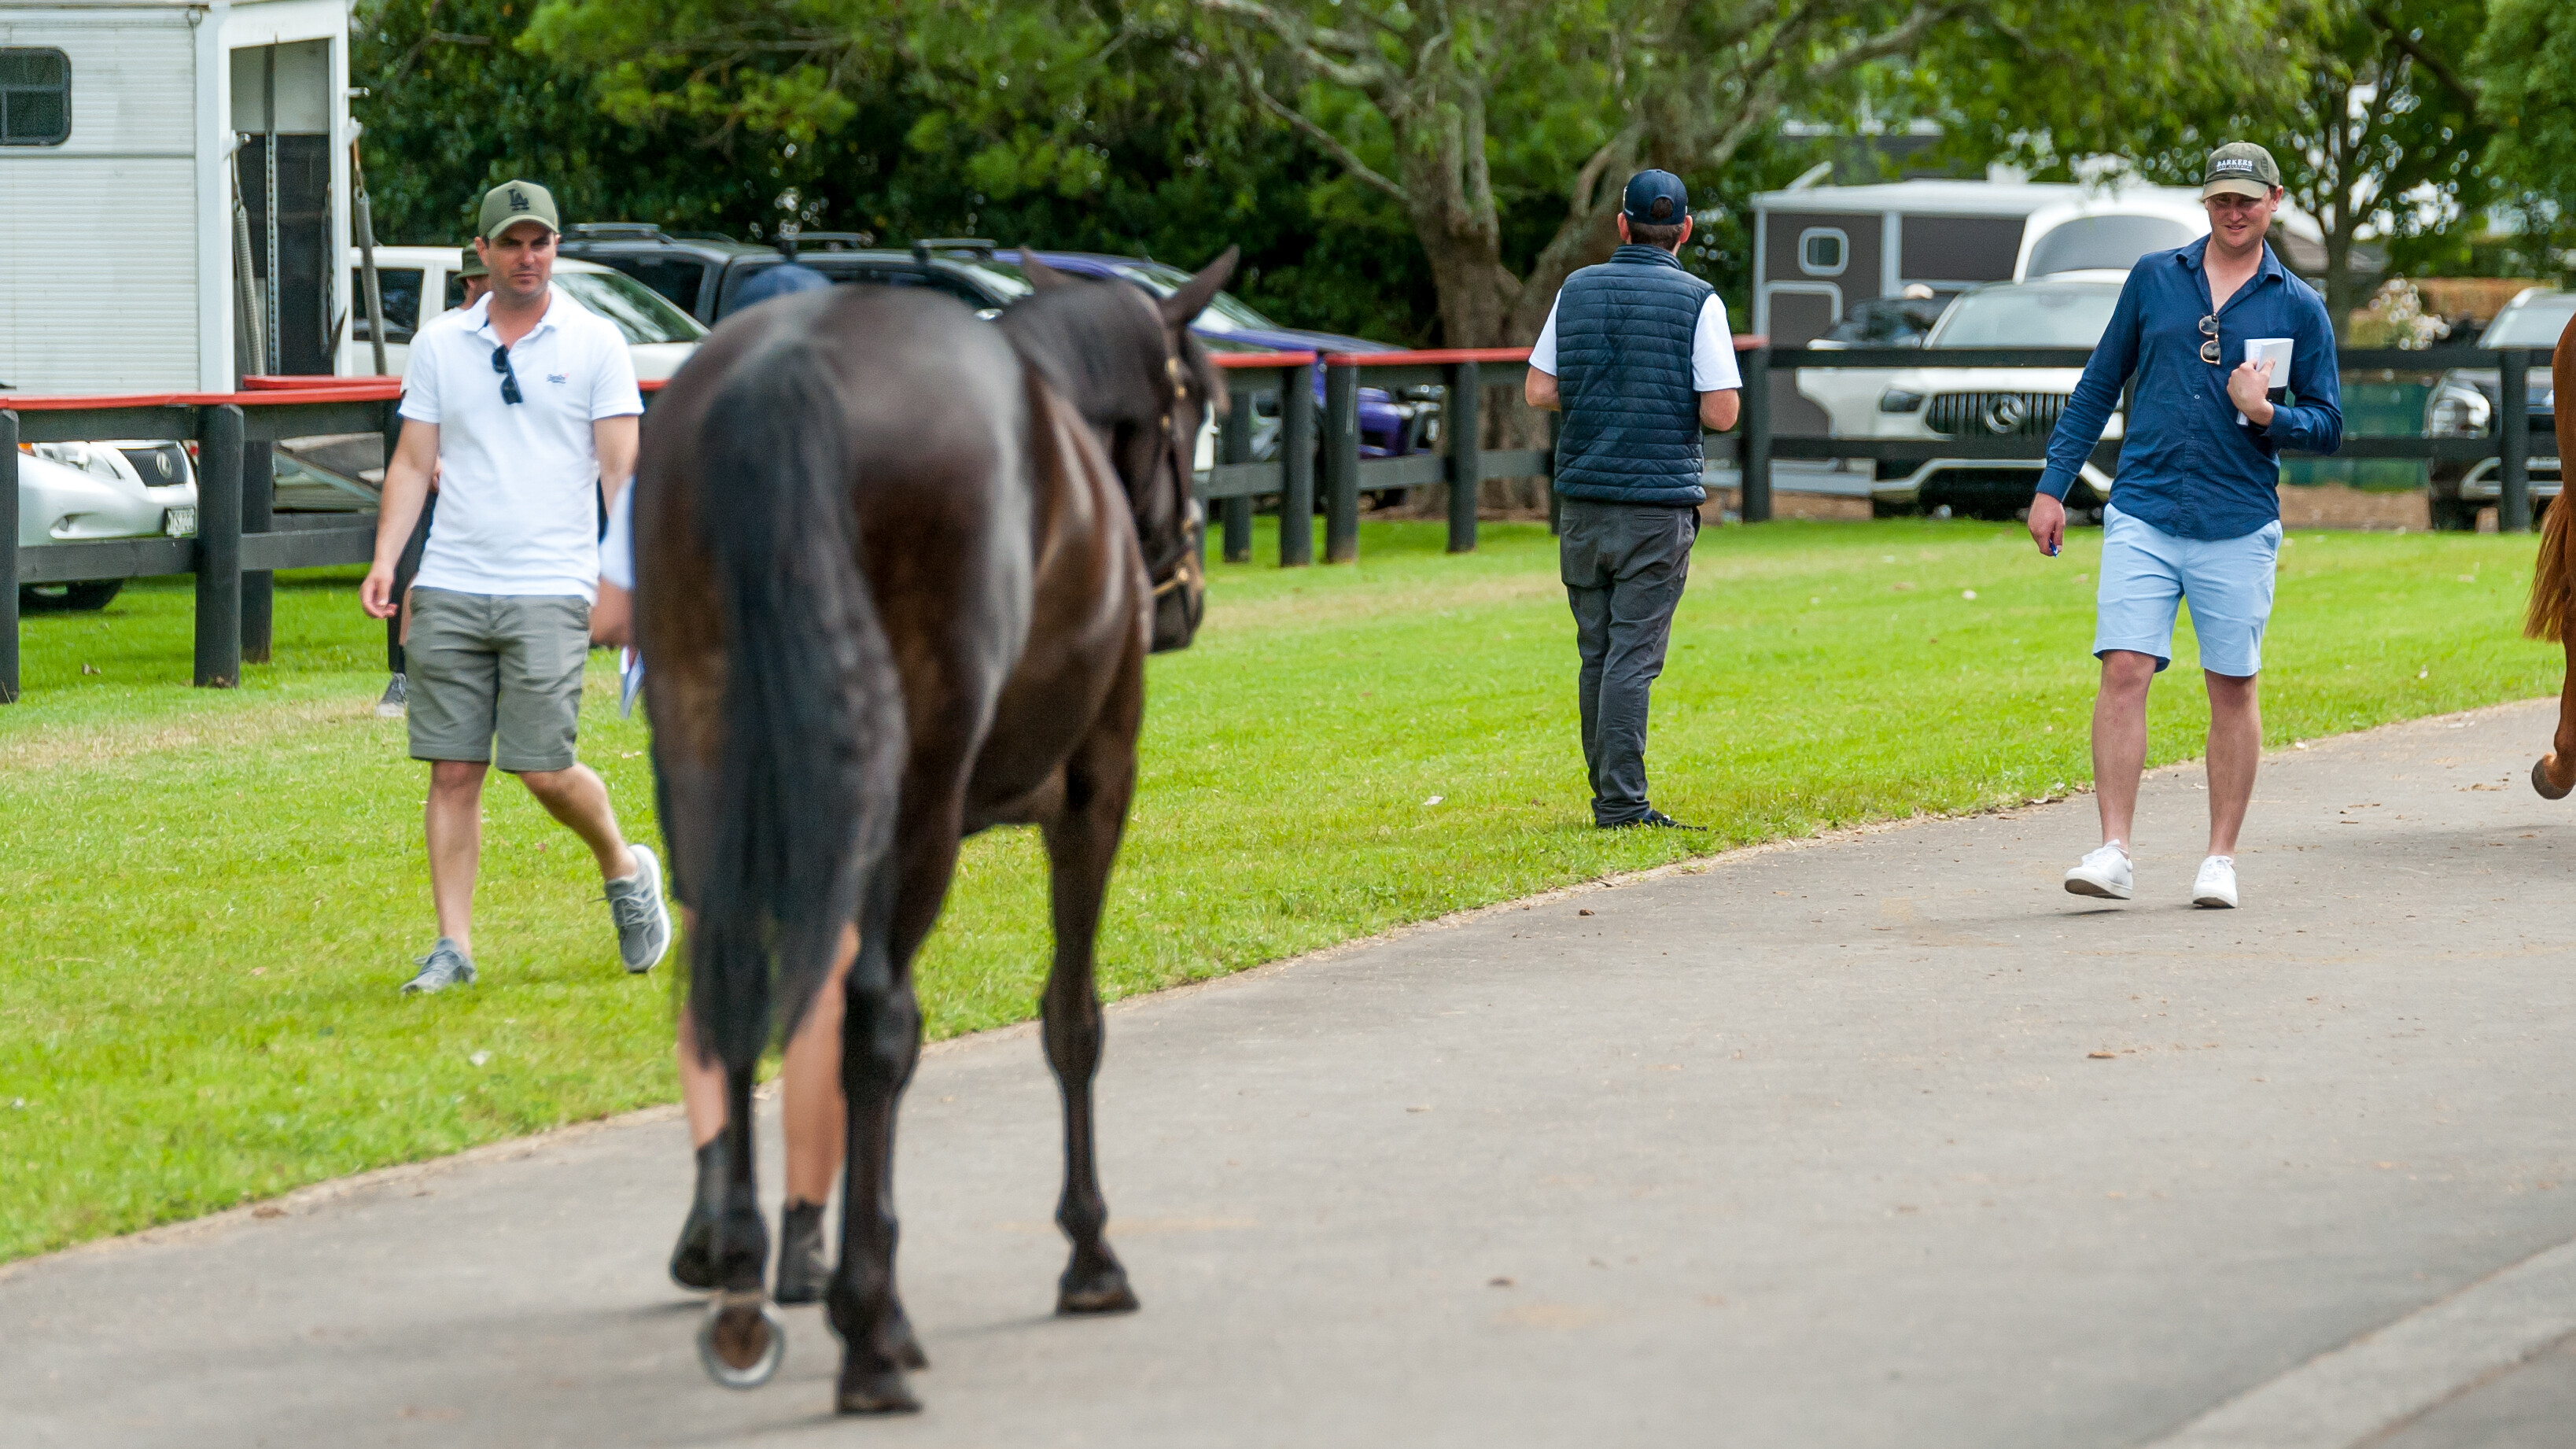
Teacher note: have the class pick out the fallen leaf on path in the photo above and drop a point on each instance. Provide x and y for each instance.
(2099, 1056)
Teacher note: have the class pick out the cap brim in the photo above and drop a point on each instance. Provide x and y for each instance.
(501, 228)
(2236, 186)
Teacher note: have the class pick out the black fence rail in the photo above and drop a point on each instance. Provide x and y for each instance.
(240, 542)
(2508, 441)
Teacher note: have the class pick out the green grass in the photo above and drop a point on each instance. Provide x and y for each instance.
(208, 898)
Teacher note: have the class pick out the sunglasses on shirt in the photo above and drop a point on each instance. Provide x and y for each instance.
(510, 379)
(2209, 352)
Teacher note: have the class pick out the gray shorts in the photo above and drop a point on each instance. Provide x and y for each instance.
(496, 677)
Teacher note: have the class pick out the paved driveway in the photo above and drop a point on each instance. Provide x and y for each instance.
(1878, 1141)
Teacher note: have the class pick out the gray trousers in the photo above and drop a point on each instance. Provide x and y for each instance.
(1624, 565)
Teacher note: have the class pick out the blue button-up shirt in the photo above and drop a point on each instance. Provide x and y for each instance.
(2190, 464)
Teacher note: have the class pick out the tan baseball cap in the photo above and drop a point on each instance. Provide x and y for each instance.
(512, 202)
(2239, 168)
(473, 263)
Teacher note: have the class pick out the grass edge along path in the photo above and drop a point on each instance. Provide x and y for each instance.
(210, 896)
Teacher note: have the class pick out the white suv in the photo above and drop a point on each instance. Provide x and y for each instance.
(1931, 402)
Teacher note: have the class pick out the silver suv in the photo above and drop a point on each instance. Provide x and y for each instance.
(2463, 405)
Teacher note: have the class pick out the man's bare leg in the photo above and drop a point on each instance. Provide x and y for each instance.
(578, 799)
(2235, 749)
(453, 822)
(2120, 740)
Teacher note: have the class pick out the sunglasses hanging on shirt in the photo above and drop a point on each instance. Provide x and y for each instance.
(2209, 352)
(510, 379)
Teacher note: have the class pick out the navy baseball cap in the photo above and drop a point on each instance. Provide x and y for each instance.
(1656, 198)
(783, 280)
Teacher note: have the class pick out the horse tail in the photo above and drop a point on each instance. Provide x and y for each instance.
(811, 707)
(2553, 586)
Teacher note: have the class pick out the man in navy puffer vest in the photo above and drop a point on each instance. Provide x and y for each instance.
(1636, 354)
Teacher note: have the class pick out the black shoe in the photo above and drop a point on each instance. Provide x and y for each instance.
(693, 1262)
(801, 1270)
(1655, 819)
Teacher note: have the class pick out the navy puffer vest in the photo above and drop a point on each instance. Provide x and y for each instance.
(1623, 368)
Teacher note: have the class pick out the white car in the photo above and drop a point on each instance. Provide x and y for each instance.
(342, 473)
(1932, 402)
(418, 284)
(71, 492)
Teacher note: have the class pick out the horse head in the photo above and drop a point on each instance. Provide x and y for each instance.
(1146, 385)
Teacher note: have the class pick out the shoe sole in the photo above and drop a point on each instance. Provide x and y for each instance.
(2085, 885)
(2213, 903)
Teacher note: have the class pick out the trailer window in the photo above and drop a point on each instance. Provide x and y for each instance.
(35, 98)
(1823, 251)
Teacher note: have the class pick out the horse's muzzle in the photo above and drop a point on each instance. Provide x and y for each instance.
(1180, 598)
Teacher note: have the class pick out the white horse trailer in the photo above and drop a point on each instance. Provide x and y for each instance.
(174, 192)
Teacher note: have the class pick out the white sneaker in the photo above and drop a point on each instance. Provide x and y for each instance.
(2104, 872)
(2217, 883)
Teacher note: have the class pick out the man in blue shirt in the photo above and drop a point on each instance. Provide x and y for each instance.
(2195, 512)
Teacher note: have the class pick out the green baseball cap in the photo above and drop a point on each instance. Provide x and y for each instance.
(2239, 168)
(512, 202)
(473, 262)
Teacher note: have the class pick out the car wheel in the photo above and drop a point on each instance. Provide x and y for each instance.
(1891, 508)
(2454, 515)
(82, 597)
(1385, 498)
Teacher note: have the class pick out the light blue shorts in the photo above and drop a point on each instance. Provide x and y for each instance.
(2146, 572)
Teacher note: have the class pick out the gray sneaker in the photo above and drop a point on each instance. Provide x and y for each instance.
(396, 698)
(446, 965)
(643, 921)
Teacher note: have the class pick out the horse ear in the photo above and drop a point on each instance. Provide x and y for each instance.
(1041, 276)
(1192, 298)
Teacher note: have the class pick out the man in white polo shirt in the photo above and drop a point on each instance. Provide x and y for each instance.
(525, 407)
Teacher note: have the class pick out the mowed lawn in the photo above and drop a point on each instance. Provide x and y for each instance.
(208, 899)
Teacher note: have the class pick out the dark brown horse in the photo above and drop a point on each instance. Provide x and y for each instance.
(2553, 575)
(898, 573)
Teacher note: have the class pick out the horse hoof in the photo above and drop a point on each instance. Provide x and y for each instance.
(742, 1340)
(2540, 781)
(1106, 1293)
(878, 1391)
(907, 1351)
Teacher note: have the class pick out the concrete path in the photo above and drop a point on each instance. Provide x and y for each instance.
(1879, 1141)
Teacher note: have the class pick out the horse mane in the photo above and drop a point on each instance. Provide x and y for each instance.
(1100, 344)
(2553, 574)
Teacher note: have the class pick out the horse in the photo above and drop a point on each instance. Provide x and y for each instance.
(898, 574)
(2553, 577)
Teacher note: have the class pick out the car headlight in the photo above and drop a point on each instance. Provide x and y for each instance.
(2458, 412)
(1898, 400)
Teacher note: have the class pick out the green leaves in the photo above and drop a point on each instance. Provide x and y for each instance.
(2527, 65)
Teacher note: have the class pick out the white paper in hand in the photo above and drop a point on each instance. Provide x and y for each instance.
(2276, 351)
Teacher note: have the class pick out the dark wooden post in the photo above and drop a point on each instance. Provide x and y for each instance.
(219, 520)
(1555, 500)
(1234, 445)
(1297, 467)
(1753, 469)
(1341, 463)
(259, 586)
(1466, 453)
(2513, 441)
(8, 557)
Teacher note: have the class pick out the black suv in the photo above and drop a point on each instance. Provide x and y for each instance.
(704, 271)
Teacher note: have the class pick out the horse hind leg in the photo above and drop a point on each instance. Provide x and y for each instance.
(742, 1341)
(1082, 842)
(881, 1042)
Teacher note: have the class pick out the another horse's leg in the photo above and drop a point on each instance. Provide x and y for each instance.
(741, 1336)
(2555, 775)
(881, 1043)
(1082, 842)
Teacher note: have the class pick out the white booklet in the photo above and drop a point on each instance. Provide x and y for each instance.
(2275, 350)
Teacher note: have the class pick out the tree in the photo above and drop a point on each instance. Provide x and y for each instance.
(2527, 59)
(2362, 102)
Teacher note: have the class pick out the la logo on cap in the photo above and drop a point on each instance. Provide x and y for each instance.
(518, 199)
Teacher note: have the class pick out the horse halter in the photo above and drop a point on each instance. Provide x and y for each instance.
(1187, 569)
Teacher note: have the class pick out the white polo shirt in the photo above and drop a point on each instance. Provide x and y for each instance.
(518, 506)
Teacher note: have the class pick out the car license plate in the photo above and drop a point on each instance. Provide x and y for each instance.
(180, 523)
